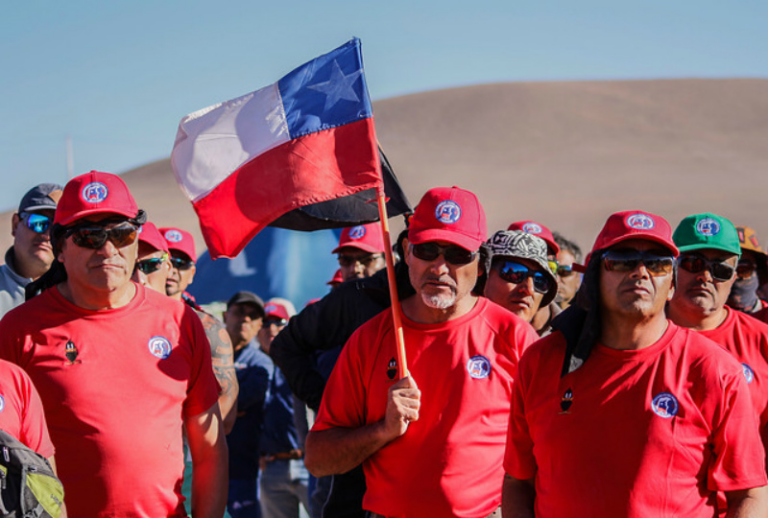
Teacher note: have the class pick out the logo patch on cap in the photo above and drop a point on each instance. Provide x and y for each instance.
(357, 232)
(448, 211)
(270, 308)
(479, 367)
(95, 192)
(665, 405)
(174, 236)
(532, 228)
(749, 374)
(708, 227)
(640, 222)
(160, 347)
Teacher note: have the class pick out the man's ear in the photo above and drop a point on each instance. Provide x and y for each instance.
(192, 274)
(15, 223)
(406, 251)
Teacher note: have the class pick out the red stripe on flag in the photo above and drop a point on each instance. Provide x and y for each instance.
(318, 167)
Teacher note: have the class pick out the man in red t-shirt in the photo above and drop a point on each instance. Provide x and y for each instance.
(434, 449)
(120, 368)
(623, 413)
(709, 253)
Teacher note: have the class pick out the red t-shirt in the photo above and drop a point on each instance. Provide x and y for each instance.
(116, 385)
(21, 411)
(449, 462)
(640, 434)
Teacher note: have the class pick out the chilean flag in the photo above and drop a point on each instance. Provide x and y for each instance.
(306, 139)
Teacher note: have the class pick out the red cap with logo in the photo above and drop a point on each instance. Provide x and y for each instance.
(538, 230)
(449, 214)
(365, 237)
(94, 193)
(635, 224)
(180, 240)
(149, 234)
(275, 310)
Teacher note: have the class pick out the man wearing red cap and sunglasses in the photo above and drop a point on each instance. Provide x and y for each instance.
(360, 251)
(621, 412)
(434, 449)
(120, 369)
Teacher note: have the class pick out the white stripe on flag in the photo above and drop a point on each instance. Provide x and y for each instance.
(214, 142)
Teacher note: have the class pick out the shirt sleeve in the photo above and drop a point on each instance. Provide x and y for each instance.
(34, 429)
(739, 458)
(203, 389)
(519, 460)
(343, 403)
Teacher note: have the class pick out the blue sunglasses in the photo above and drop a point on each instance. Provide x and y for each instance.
(37, 223)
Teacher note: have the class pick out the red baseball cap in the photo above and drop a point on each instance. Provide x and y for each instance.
(149, 234)
(538, 230)
(365, 237)
(337, 278)
(275, 309)
(180, 240)
(449, 214)
(94, 193)
(635, 224)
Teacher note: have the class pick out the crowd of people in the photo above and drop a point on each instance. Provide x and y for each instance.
(630, 381)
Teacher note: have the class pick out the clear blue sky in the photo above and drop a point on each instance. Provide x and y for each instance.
(117, 76)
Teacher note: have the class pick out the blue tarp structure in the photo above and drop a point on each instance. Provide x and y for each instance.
(276, 263)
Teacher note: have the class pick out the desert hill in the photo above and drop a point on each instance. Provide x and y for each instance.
(565, 154)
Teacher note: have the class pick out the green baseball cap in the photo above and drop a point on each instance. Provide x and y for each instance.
(702, 231)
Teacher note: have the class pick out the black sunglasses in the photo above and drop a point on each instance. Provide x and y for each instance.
(516, 273)
(148, 266)
(695, 263)
(94, 237)
(453, 254)
(279, 322)
(37, 223)
(366, 260)
(564, 270)
(182, 264)
(628, 261)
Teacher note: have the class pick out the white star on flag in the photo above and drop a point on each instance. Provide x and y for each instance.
(338, 86)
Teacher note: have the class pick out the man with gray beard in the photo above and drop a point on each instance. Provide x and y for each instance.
(463, 351)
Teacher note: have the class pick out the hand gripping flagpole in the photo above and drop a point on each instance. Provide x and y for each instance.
(402, 367)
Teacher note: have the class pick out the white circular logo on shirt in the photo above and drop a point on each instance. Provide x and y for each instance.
(708, 227)
(640, 222)
(749, 374)
(479, 367)
(2, 403)
(448, 211)
(532, 228)
(665, 405)
(174, 236)
(160, 347)
(95, 192)
(356, 232)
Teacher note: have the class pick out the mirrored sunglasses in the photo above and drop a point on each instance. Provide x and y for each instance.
(148, 266)
(181, 263)
(516, 273)
(94, 237)
(564, 270)
(453, 254)
(695, 263)
(37, 223)
(628, 260)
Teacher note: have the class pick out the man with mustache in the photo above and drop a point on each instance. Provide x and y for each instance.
(31, 254)
(623, 413)
(709, 255)
(431, 444)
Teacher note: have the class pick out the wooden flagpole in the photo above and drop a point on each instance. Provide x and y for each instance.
(402, 366)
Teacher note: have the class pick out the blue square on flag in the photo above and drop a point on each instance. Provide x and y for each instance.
(327, 92)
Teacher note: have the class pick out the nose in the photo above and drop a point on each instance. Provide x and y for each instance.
(641, 271)
(526, 286)
(108, 249)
